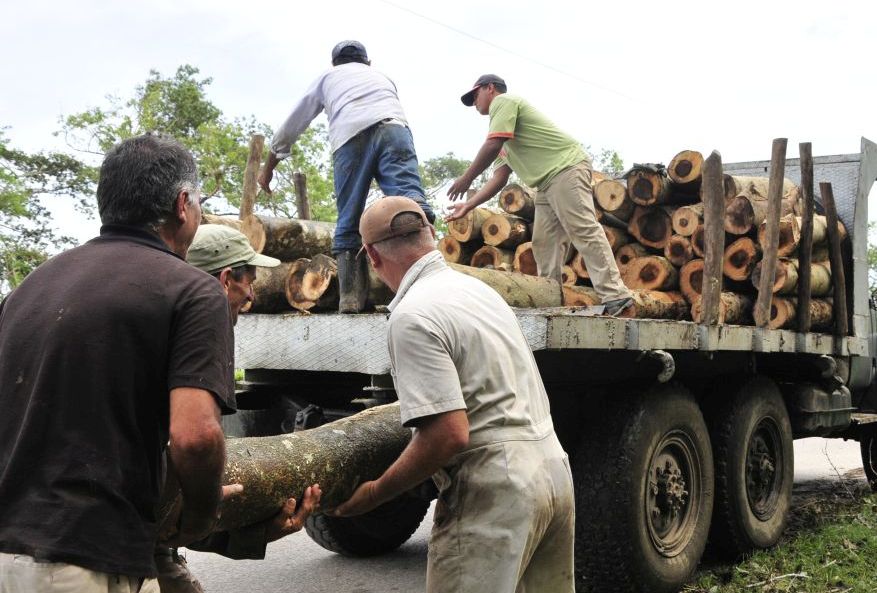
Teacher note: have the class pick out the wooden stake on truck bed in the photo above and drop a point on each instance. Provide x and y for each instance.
(841, 325)
(251, 188)
(302, 205)
(805, 245)
(712, 192)
(772, 231)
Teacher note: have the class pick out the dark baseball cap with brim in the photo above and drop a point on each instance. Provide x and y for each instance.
(468, 99)
(376, 224)
(216, 247)
(350, 49)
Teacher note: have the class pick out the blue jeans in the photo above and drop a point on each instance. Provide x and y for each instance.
(385, 153)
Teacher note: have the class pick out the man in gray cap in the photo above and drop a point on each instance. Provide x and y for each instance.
(468, 384)
(370, 141)
(522, 140)
(226, 254)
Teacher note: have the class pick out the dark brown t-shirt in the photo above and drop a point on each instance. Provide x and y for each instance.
(91, 343)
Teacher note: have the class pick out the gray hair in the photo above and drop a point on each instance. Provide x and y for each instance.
(141, 178)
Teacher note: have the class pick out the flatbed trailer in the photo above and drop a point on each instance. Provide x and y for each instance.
(678, 432)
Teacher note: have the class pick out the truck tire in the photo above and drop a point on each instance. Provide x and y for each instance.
(754, 457)
(377, 532)
(644, 493)
(868, 446)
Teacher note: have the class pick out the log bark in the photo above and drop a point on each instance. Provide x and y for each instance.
(288, 239)
(524, 261)
(740, 259)
(493, 257)
(686, 219)
(654, 304)
(269, 289)
(505, 231)
(627, 254)
(468, 228)
(647, 188)
(734, 309)
(617, 237)
(251, 187)
(784, 312)
(685, 171)
(652, 272)
(579, 296)
(770, 241)
(339, 456)
(518, 290)
(518, 200)
(455, 252)
(611, 196)
(678, 250)
(651, 226)
(207, 218)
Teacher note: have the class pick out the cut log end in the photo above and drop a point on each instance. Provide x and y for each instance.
(686, 167)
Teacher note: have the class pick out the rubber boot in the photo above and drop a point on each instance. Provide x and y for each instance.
(352, 282)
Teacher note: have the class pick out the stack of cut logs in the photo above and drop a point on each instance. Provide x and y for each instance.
(653, 222)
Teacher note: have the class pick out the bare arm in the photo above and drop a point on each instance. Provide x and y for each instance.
(435, 442)
(488, 190)
(486, 155)
(197, 452)
(266, 174)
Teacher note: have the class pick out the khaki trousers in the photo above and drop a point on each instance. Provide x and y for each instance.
(23, 574)
(504, 522)
(565, 215)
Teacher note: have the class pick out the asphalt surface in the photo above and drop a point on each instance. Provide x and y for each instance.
(296, 564)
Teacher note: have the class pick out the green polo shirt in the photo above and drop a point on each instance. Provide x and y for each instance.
(536, 149)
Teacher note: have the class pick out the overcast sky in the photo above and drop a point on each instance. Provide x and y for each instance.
(644, 78)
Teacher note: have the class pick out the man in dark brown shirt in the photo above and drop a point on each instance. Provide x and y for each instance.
(108, 353)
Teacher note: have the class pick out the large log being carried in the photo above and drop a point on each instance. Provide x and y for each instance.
(207, 218)
(288, 239)
(518, 290)
(269, 289)
(611, 196)
(579, 296)
(518, 200)
(456, 252)
(734, 309)
(651, 226)
(339, 456)
(489, 256)
(652, 272)
(784, 313)
(468, 228)
(654, 304)
(505, 231)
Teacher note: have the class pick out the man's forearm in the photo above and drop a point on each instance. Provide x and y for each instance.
(486, 155)
(271, 162)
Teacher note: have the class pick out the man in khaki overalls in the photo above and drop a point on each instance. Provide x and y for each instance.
(468, 384)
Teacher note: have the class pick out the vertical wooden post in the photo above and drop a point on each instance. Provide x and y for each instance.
(302, 205)
(714, 230)
(251, 188)
(838, 277)
(772, 233)
(805, 245)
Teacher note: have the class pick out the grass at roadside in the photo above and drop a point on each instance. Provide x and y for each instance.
(830, 546)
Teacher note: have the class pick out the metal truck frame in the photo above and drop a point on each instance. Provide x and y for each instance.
(678, 432)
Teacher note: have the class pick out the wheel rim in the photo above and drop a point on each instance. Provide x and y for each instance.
(671, 509)
(764, 468)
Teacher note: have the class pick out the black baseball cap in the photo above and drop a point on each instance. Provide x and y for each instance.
(350, 49)
(469, 98)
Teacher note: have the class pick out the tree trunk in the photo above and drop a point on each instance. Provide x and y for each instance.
(617, 237)
(685, 172)
(686, 219)
(651, 226)
(647, 188)
(518, 200)
(518, 290)
(288, 239)
(740, 259)
(493, 257)
(678, 250)
(455, 252)
(790, 234)
(505, 231)
(579, 296)
(786, 279)
(339, 456)
(207, 218)
(652, 272)
(627, 254)
(734, 309)
(691, 280)
(654, 304)
(784, 313)
(468, 228)
(611, 196)
(269, 289)
(524, 261)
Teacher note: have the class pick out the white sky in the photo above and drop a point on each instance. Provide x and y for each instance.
(644, 78)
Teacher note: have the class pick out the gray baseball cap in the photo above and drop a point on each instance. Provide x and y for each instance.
(468, 98)
(349, 48)
(216, 247)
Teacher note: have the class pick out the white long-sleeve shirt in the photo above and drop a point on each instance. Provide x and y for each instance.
(354, 96)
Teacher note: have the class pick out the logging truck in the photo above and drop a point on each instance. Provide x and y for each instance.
(680, 432)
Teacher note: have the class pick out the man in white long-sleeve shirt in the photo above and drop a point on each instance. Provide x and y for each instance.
(370, 140)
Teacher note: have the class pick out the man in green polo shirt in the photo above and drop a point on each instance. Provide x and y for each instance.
(522, 140)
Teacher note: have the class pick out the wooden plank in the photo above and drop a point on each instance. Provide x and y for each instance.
(251, 188)
(805, 245)
(838, 277)
(714, 224)
(772, 233)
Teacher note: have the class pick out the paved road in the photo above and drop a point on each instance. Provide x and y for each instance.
(297, 565)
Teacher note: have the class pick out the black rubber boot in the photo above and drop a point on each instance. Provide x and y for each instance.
(352, 282)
